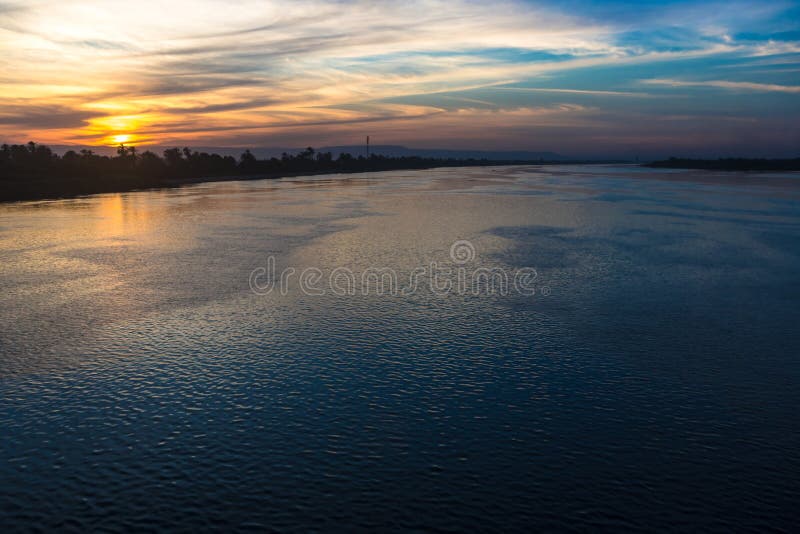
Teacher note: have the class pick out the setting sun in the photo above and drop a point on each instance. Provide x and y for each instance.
(120, 139)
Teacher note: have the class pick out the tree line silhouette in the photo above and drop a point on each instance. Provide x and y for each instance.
(32, 170)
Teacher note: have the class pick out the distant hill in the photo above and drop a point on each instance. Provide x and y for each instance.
(402, 151)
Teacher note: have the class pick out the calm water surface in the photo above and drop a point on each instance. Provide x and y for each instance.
(652, 382)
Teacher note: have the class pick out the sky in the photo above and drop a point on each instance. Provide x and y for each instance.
(614, 78)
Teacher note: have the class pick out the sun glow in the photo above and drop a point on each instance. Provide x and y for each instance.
(323, 72)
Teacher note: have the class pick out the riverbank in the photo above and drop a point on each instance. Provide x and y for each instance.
(728, 164)
(52, 189)
(34, 172)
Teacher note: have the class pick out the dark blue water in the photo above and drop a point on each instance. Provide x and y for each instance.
(650, 382)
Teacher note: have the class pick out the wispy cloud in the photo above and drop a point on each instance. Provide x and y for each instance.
(575, 91)
(739, 86)
(192, 71)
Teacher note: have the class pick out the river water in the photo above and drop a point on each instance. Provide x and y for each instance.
(218, 356)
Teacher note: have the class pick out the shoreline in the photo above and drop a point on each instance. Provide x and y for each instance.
(8, 196)
(180, 182)
(50, 190)
(728, 164)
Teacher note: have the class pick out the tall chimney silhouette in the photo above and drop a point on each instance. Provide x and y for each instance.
(367, 146)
